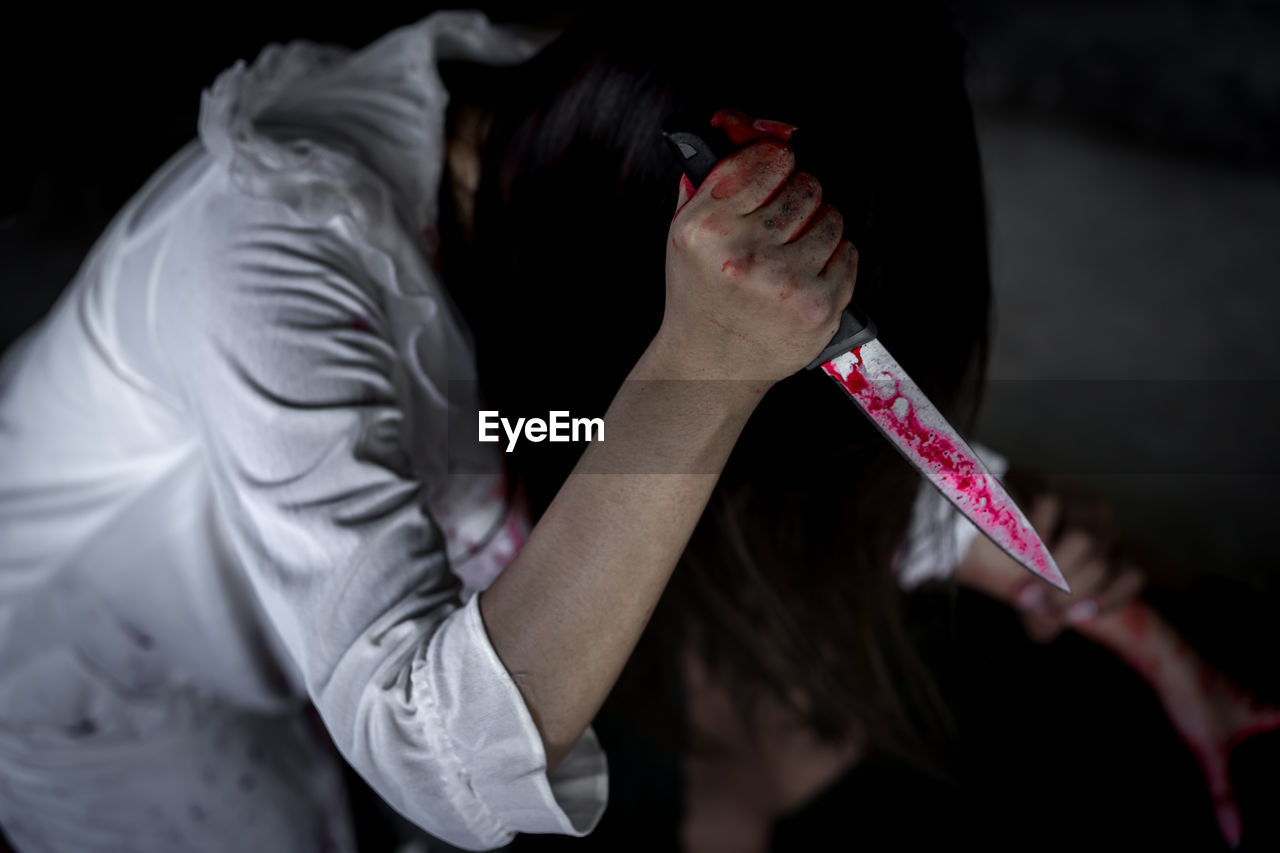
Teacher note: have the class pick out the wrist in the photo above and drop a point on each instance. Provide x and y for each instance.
(675, 354)
(668, 361)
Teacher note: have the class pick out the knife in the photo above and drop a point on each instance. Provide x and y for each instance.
(873, 379)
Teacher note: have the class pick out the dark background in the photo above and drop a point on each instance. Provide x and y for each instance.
(1132, 157)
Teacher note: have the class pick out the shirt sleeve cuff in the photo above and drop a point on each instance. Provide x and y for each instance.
(938, 536)
(495, 739)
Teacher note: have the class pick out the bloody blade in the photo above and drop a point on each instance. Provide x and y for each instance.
(904, 415)
(894, 403)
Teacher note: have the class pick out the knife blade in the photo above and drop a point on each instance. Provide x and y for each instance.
(857, 361)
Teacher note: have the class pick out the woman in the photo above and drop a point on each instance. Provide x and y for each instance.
(778, 657)
(234, 479)
(785, 606)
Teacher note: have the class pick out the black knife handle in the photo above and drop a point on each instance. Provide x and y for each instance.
(698, 155)
(698, 152)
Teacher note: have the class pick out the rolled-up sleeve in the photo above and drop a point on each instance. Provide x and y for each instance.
(278, 344)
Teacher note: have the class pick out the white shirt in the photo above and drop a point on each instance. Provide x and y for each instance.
(229, 435)
(227, 445)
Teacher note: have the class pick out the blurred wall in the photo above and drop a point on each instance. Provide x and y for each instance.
(1132, 155)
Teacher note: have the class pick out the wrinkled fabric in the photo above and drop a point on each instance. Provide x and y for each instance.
(226, 494)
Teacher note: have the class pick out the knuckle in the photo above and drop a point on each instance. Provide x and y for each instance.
(693, 239)
(781, 155)
(767, 150)
(776, 262)
(807, 186)
(834, 220)
(684, 229)
(705, 228)
(846, 291)
(773, 164)
(845, 256)
(815, 309)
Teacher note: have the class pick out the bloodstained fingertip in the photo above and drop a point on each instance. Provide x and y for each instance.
(779, 129)
(1228, 817)
(742, 128)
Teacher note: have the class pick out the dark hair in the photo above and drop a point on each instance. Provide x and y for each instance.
(789, 570)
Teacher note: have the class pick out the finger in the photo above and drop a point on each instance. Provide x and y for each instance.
(1073, 547)
(1030, 597)
(1045, 512)
(813, 247)
(747, 179)
(1077, 557)
(742, 128)
(1119, 592)
(791, 209)
(1088, 579)
(842, 271)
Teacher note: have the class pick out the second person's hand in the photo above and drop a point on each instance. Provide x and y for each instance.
(1099, 583)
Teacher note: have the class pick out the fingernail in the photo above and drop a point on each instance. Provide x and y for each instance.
(1082, 612)
(1031, 597)
(780, 129)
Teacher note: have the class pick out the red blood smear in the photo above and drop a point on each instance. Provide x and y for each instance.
(1136, 619)
(1162, 657)
(729, 187)
(943, 456)
(778, 129)
(742, 128)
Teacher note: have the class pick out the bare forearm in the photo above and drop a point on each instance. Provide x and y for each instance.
(1210, 712)
(567, 612)
(745, 300)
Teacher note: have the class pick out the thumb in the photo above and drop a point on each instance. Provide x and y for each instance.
(742, 128)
